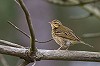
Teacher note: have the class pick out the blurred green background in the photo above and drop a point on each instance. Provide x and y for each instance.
(8, 13)
(42, 13)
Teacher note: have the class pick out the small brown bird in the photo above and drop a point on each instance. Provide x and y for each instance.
(64, 36)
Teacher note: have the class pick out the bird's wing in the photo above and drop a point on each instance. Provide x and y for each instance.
(64, 28)
(68, 29)
(68, 35)
(72, 36)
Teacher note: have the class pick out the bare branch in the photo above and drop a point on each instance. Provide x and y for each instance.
(52, 54)
(29, 22)
(3, 42)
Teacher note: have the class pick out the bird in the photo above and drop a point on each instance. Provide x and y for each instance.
(64, 36)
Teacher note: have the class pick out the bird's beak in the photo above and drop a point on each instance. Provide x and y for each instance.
(49, 22)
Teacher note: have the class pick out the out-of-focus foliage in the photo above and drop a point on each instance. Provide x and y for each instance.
(42, 13)
(8, 13)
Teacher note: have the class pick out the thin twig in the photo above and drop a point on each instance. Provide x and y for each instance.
(33, 64)
(24, 63)
(45, 41)
(3, 42)
(3, 60)
(18, 29)
(26, 33)
(29, 22)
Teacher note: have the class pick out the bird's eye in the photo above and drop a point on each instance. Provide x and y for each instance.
(55, 23)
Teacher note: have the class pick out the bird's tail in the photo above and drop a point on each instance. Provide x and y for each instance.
(87, 44)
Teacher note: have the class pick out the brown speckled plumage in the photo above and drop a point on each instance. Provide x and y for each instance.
(63, 35)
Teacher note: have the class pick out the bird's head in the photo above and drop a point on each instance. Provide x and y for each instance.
(55, 23)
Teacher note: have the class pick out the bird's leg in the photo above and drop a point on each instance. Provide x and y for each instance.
(59, 48)
(67, 47)
(63, 48)
(68, 43)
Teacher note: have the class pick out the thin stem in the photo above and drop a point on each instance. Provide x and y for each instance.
(29, 22)
(44, 41)
(7, 43)
(18, 29)
(24, 63)
(34, 63)
(27, 34)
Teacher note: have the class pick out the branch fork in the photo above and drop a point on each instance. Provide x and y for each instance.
(33, 54)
